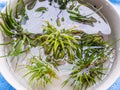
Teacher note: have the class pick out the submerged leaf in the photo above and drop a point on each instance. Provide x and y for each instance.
(31, 4)
(88, 67)
(41, 0)
(58, 22)
(75, 16)
(41, 9)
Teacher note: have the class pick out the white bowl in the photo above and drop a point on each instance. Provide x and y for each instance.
(114, 20)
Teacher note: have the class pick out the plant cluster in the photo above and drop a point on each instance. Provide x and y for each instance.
(88, 67)
(41, 72)
(21, 40)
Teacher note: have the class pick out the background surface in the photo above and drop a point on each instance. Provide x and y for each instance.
(4, 85)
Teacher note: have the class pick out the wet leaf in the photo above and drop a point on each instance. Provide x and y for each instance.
(41, 9)
(31, 4)
(41, 0)
(58, 22)
(62, 19)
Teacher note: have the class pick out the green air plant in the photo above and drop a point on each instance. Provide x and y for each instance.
(88, 67)
(92, 40)
(21, 41)
(58, 43)
(40, 72)
(85, 39)
(77, 17)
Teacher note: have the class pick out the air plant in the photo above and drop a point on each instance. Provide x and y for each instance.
(92, 40)
(75, 14)
(21, 41)
(40, 72)
(58, 43)
(77, 17)
(86, 39)
(88, 67)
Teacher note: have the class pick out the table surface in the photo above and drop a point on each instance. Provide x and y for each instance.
(4, 85)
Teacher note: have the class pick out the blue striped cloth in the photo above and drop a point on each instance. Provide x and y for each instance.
(4, 85)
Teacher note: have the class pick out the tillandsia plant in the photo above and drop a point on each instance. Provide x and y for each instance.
(93, 40)
(21, 40)
(11, 28)
(76, 16)
(40, 72)
(88, 67)
(57, 42)
(85, 39)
